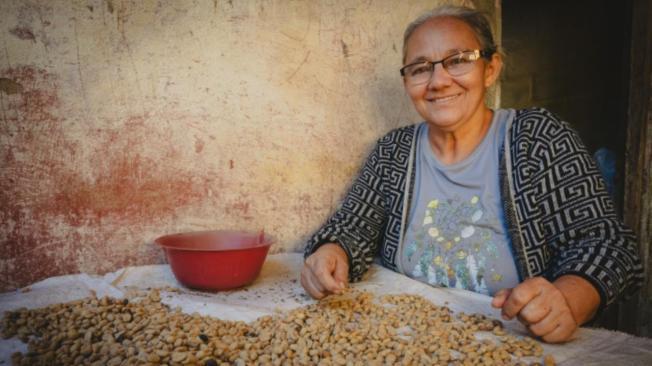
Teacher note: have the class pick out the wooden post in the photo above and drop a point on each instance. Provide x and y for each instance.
(636, 315)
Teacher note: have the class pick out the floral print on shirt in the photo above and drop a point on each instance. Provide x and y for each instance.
(456, 246)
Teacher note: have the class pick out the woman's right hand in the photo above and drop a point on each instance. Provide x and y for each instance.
(325, 271)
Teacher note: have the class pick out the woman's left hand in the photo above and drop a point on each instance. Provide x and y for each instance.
(552, 311)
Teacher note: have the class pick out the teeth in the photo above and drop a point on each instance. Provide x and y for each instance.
(444, 99)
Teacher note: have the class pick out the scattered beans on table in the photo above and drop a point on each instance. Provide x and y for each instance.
(350, 329)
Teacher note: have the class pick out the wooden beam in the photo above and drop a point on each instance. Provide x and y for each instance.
(636, 315)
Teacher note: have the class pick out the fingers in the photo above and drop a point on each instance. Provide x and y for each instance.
(341, 274)
(325, 271)
(558, 325)
(520, 296)
(563, 332)
(546, 325)
(308, 283)
(541, 307)
(500, 297)
(536, 310)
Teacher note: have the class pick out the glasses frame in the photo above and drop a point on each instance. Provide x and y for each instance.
(486, 53)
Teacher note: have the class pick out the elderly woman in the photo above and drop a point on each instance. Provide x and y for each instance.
(503, 202)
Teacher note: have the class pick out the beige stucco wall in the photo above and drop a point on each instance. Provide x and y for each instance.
(125, 120)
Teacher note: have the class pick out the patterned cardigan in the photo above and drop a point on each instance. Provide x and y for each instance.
(559, 215)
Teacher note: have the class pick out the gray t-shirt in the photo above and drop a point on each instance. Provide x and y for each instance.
(457, 235)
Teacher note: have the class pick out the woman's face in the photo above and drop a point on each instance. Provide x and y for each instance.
(444, 101)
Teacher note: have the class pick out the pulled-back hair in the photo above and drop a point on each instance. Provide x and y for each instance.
(477, 20)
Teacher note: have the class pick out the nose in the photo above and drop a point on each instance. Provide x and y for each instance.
(439, 77)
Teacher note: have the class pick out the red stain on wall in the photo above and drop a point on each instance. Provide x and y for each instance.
(29, 128)
(240, 208)
(59, 211)
(130, 189)
(199, 145)
(36, 100)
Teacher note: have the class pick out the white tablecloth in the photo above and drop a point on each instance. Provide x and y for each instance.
(278, 288)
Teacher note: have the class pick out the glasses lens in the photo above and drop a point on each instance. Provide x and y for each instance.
(419, 73)
(460, 64)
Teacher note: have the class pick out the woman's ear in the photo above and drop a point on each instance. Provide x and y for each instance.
(492, 69)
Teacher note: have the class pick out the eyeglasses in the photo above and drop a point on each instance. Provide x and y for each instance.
(455, 65)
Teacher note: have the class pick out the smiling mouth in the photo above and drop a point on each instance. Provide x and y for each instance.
(444, 99)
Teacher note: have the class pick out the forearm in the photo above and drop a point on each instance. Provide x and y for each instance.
(359, 221)
(582, 298)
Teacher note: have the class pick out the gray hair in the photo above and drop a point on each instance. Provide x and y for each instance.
(477, 20)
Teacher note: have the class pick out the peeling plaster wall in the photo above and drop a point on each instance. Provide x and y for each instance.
(125, 120)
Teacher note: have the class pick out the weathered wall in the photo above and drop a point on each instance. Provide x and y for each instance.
(125, 120)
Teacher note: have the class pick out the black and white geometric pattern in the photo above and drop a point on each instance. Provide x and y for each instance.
(371, 211)
(561, 220)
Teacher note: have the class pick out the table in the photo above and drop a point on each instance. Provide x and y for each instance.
(278, 288)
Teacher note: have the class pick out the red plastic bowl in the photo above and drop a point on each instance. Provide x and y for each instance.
(215, 260)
